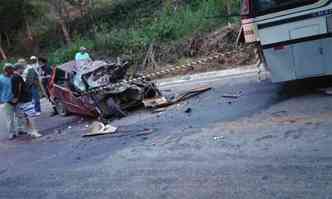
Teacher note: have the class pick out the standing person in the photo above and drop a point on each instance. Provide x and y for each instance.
(23, 62)
(22, 100)
(32, 82)
(81, 58)
(82, 55)
(6, 97)
(35, 63)
(45, 75)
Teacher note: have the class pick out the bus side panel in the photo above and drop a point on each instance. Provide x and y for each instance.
(281, 33)
(327, 45)
(300, 60)
(309, 59)
(280, 64)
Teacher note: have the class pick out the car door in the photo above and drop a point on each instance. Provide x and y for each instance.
(75, 103)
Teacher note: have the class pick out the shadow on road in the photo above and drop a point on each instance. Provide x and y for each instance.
(304, 87)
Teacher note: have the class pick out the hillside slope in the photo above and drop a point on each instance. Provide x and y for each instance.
(164, 31)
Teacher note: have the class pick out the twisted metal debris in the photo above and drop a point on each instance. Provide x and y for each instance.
(173, 68)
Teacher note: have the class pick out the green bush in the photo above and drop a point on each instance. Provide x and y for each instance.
(185, 21)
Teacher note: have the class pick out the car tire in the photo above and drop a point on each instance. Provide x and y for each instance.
(61, 108)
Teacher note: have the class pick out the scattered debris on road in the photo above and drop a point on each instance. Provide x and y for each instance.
(98, 128)
(155, 102)
(188, 110)
(218, 137)
(159, 110)
(233, 96)
(160, 102)
(57, 131)
(145, 133)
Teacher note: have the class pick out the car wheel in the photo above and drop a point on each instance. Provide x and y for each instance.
(61, 108)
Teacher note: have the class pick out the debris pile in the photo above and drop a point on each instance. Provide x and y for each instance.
(221, 41)
(201, 45)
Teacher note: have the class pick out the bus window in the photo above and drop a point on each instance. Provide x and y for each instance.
(263, 7)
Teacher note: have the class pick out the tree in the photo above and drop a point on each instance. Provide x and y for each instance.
(61, 12)
(2, 52)
(82, 5)
(31, 10)
(9, 22)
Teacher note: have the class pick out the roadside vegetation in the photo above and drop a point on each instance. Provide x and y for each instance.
(110, 28)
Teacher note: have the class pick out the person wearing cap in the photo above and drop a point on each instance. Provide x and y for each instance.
(32, 82)
(22, 100)
(22, 61)
(6, 97)
(35, 63)
(82, 55)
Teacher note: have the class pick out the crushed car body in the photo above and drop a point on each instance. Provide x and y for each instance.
(70, 83)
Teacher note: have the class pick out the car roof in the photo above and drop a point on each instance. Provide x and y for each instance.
(89, 67)
(68, 67)
(93, 66)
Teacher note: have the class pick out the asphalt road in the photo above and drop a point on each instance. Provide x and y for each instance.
(274, 141)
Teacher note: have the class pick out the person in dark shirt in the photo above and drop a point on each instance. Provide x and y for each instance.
(19, 89)
(22, 100)
(45, 74)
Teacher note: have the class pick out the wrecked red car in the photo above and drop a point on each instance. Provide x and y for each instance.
(69, 86)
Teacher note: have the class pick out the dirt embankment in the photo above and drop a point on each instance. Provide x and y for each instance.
(199, 46)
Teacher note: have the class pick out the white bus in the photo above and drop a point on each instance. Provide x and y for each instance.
(294, 37)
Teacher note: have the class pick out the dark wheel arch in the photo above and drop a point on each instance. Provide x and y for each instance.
(61, 108)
